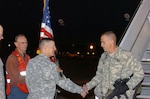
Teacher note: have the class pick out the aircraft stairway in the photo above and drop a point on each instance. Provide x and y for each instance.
(137, 41)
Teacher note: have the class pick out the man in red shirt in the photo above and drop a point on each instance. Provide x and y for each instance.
(16, 69)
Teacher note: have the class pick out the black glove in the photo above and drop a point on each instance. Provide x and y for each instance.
(123, 89)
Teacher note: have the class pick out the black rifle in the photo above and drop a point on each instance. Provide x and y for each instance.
(120, 88)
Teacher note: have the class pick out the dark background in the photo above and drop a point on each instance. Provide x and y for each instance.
(75, 24)
(82, 21)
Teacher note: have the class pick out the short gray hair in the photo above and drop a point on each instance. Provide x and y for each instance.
(44, 41)
(111, 35)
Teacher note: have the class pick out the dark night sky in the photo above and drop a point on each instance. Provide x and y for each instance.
(84, 20)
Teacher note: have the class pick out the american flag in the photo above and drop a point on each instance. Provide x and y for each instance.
(46, 30)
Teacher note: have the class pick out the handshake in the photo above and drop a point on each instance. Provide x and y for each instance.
(85, 91)
(120, 89)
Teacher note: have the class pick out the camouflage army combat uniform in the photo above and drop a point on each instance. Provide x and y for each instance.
(42, 77)
(2, 82)
(121, 64)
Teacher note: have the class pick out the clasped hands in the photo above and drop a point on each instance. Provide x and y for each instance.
(85, 91)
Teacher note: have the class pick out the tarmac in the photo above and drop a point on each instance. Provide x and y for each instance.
(79, 70)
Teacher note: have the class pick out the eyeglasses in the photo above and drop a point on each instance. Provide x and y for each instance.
(23, 42)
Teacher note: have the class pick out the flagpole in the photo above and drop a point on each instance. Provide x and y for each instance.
(46, 30)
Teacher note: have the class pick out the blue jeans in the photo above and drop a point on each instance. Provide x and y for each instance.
(15, 93)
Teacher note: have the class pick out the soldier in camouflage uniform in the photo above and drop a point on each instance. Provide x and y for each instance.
(115, 63)
(2, 80)
(42, 74)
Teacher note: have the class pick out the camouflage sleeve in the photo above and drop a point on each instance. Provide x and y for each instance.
(138, 74)
(68, 85)
(2, 81)
(98, 77)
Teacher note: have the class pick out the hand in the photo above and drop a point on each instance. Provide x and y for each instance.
(59, 69)
(83, 94)
(85, 89)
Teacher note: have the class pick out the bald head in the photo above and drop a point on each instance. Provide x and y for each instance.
(111, 35)
(1, 32)
(47, 47)
(1, 28)
(108, 41)
(44, 42)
